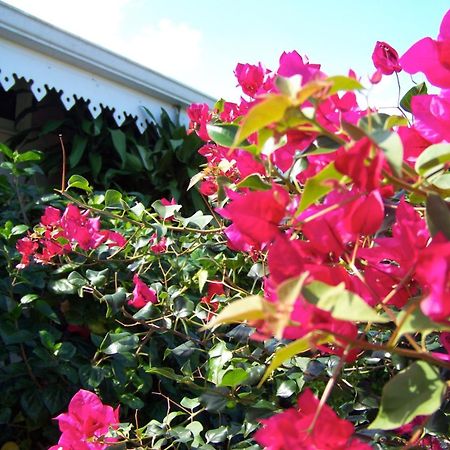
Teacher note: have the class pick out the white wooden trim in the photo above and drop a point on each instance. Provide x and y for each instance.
(52, 58)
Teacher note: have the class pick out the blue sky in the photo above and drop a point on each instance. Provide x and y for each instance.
(199, 42)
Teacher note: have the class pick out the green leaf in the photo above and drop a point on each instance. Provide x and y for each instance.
(95, 161)
(396, 121)
(30, 155)
(198, 219)
(77, 280)
(373, 122)
(119, 343)
(442, 182)
(437, 215)
(19, 229)
(254, 182)
(289, 351)
(29, 298)
(419, 89)
(79, 182)
(202, 277)
(318, 186)
(234, 377)
(432, 160)
(217, 435)
(79, 144)
(113, 199)
(91, 376)
(341, 303)
(271, 109)
(417, 322)
(225, 134)
(119, 141)
(6, 150)
(343, 83)
(132, 401)
(115, 301)
(165, 211)
(317, 151)
(287, 293)
(145, 312)
(286, 388)
(415, 391)
(62, 287)
(392, 147)
(97, 278)
(249, 308)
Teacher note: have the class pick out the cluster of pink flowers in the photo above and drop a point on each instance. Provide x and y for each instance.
(59, 232)
(301, 428)
(345, 238)
(86, 423)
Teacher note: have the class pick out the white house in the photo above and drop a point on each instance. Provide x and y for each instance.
(40, 57)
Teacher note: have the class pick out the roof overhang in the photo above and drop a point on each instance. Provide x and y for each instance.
(50, 58)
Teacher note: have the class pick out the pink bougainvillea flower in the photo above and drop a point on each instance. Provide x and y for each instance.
(257, 215)
(394, 259)
(246, 164)
(158, 246)
(365, 214)
(113, 238)
(362, 162)
(413, 143)
(208, 186)
(291, 63)
(432, 116)
(142, 294)
(297, 141)
(85, 424)
(51, 217)
(431, 57)
(250, 78)
(385, 58)
(433, 273)
(26, 247)
(80, 229)
(293, 429)
(199, 116)
(214, 288)
(409, 238)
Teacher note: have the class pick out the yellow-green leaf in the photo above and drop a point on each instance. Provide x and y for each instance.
(416, 322)
(341, 303)
(294, 348)
(432, 159)
(249, 308)
(319, 185)
(271, 109)
(287, 293)
(343, 83)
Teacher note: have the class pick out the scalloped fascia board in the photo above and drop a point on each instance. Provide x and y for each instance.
(52, 58)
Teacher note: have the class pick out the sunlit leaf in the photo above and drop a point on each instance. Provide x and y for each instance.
(415, 391)
(249, 308)
(292, 349)
(319, 185)
(341, 303)
(432, 159)
(271, 109)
